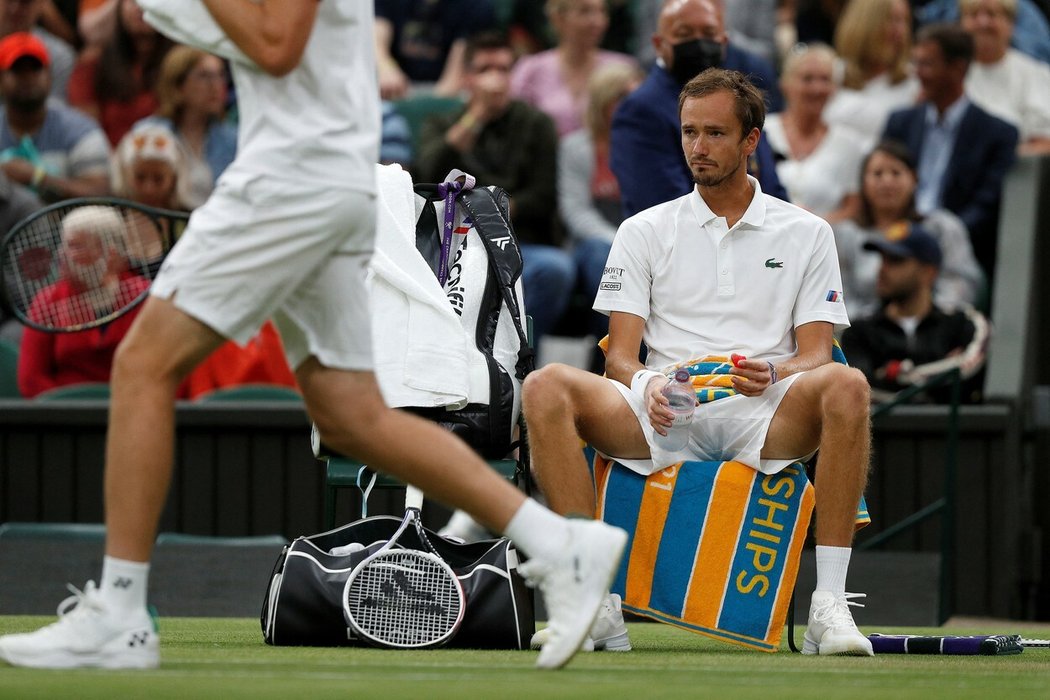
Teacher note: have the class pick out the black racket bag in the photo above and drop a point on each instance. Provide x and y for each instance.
(303, 605)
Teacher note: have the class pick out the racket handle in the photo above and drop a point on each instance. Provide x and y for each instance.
(413, 498)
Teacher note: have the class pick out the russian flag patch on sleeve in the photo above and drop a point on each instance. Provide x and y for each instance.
(833, 296)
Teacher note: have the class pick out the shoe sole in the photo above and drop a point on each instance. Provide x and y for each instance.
(811, 648)
(620, 642)
(68, 660)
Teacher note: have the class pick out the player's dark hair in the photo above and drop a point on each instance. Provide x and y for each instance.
(750, 106)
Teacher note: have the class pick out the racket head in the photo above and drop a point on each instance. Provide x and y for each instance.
(83, 263)
(404, 599)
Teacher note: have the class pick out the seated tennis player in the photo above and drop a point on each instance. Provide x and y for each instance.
(288, 233)
(724, 269)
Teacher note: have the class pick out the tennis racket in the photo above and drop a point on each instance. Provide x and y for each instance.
(404, 598)
(983, 644)
(83, 263)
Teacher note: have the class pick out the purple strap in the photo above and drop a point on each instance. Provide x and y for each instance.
(447, 190)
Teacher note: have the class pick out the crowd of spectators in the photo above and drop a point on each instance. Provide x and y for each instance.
(883, 115)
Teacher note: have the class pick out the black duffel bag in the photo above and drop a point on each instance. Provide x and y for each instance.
(303, 603)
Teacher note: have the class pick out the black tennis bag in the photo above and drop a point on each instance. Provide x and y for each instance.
(303, 605)
(496, 317)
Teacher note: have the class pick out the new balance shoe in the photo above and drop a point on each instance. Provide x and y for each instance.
(574, 581)
(831, 630)
(608, 632)
(87, 634)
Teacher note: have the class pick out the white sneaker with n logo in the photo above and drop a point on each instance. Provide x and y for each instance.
(87, 634)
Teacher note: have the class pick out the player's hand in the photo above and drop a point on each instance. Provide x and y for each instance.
(657, 405)
(750, 377)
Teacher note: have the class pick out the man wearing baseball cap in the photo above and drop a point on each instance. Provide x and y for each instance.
(51, 148)
(24, 16)
(910, 339)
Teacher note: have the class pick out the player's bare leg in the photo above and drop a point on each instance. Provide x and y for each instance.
(109, 626)
(829, 407)
(572, 562)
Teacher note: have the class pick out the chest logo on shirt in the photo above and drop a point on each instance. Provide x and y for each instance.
(773, 264)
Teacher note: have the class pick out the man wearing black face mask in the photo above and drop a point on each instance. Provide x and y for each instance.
(645, 148)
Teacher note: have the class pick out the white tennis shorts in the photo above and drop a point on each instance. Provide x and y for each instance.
(293, 252)
(730, 429)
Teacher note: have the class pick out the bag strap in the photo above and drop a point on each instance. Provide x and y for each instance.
(505, 260)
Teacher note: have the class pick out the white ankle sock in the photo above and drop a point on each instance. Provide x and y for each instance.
(124, 583)
(537, 530)
(832, 564)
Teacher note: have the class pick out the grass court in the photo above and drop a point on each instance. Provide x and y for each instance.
(226, 658)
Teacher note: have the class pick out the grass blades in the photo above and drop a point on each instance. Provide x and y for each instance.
(226, 658)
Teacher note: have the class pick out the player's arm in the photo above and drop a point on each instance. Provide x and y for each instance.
(752, 377)
(622, 364)
(273, 33)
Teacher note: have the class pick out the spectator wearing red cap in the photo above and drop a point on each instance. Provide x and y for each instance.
(46, 146)
(25, 16)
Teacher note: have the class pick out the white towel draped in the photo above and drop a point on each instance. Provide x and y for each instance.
(423, 356)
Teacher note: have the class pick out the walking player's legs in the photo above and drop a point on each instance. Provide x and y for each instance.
(227, 283)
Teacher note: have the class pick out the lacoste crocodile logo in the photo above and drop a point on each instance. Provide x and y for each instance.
(771, 263)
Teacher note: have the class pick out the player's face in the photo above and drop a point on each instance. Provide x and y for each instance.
(888, 185)
(714, 147)
(153, 183)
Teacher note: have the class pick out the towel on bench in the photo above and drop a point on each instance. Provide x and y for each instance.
(713, 547)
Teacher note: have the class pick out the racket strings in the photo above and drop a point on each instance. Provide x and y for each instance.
(79, 265)
(405, 598)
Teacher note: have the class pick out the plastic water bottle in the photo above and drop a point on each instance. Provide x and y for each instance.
(679, 392)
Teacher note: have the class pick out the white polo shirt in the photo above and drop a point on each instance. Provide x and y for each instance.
(319, 124)
(706, 289)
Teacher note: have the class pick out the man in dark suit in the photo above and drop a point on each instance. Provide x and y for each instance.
(962, 151)
(646, 143)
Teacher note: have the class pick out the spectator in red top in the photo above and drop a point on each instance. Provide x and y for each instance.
(114, 83)
(93, 257)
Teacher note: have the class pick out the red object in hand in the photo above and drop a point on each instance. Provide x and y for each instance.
(737, 359)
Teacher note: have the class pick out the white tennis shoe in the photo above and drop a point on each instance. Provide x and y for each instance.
(87, 634)
(608, 632)
(574, 582)
(831, 630)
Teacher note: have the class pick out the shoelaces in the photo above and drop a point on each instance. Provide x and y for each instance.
(835, 612)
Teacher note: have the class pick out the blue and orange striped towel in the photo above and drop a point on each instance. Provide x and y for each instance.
(714, 546)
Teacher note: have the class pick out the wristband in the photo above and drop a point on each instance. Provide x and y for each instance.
(640, 380)
(38, 177)
(772, 373)
(468, 122)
